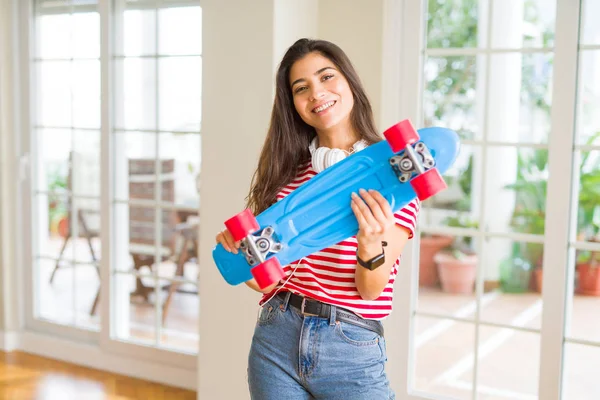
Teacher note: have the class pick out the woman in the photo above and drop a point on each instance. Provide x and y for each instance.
(319, 332)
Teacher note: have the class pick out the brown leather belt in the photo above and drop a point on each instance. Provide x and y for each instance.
(315, 308)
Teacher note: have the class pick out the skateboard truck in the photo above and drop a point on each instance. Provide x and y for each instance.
(416, 160)
(428, 181)
(256, 248)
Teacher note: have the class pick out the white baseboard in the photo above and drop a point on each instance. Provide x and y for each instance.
(9, 341)
(93, 357)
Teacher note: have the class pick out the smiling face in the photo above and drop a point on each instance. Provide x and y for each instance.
(321, 93)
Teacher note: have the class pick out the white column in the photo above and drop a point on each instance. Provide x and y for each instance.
(357, 27)
(240, 42)
(501, 119)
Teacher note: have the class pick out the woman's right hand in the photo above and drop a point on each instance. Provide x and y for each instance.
(226, 240)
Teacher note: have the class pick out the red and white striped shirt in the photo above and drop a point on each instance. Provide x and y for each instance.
(328, 275)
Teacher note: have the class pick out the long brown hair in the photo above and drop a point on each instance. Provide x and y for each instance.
(288, 138)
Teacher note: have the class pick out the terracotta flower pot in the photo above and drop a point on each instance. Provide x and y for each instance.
(589, 279)
(429, 247)
(457, 275)
(538, 278)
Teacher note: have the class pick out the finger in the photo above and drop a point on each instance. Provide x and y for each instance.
(374, 210)
(383, 203)
(221, 239)
(226, 241)
(233, 245)
(362, 223)
(366, 212)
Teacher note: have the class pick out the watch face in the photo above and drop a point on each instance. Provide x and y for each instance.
(377, 262)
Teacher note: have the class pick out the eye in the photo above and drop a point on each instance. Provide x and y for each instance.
(327, 77)
(299, 89)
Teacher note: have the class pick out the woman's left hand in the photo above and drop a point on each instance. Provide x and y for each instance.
(374, 215)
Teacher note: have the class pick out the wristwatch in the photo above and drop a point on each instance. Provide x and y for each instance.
(374, 262)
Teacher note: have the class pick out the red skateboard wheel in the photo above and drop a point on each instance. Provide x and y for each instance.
(428, 184)
(268, 272)
(242, 224)
(401, 135)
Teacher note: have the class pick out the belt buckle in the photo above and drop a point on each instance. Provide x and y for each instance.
(303, 305)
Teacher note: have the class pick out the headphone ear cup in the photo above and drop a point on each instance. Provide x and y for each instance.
(318, 159)
(334, 156)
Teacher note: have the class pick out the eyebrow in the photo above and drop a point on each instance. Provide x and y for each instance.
(316, 73)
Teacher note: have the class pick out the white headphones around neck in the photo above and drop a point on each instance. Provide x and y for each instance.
(324, 157)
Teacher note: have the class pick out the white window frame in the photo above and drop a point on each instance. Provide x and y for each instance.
(73, 344)
(403, 48)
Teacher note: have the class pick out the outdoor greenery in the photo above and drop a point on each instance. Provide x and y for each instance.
(451, 84)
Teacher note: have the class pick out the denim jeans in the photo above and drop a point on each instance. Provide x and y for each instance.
(303, 357)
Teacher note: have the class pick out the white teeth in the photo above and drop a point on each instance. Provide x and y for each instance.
(324, 107)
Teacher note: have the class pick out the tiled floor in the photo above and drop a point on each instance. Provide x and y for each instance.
(508, 359)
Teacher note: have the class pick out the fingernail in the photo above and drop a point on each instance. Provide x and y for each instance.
(354, 195)
(362, 191)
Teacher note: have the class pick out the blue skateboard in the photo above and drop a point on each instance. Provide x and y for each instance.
(408, 164)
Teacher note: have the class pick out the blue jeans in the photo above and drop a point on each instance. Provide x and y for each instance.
(302, 357)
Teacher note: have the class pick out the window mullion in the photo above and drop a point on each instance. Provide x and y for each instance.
(105, 9)
(559, 193)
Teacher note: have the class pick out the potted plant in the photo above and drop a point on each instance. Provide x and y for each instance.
(530, 207)
(432, 244)
(457, 263)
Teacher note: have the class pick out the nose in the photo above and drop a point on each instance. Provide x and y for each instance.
(318, 92)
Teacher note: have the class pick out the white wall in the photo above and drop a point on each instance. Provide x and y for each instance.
(238, 84)
(357, 27)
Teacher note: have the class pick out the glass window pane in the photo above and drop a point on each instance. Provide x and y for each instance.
(500, 375)
(133, 322)
(588, 125)
(441, 348)
(180, 31)
(451, 263)
(451, 93)
(179, 93)
(54, 102)
(452, 23)
(184, 150)
(131, 146)
(54, 292)
(519, 99)
(86, 94)
(86, 35)
(588, 206)
(139, 33)
(462, 193)
(135, 93)
(52, 227)
(582, 364)
(523, 23)
(54, 160)
(86, 164)
(53, 38)
(590, 33)
(87, 295)
(517, 191)
(511, 265)
(180, 331)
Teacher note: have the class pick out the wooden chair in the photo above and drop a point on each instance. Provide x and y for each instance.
(88, 228)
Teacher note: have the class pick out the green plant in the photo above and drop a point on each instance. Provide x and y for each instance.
(530, 187)
(57, 189)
